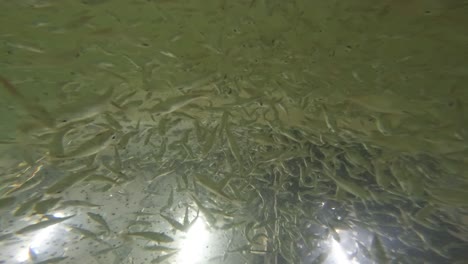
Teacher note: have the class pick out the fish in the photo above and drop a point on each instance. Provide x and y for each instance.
(120, 100)
(68, 181)
(211, 186)
(84, 108)
(173, 104)
(7, 202)
(91, 147)
(33, 180)
(101, 178)
(160, 248)
(149, 135)
(153, 236)
(383, 179)
(329, 121)
(162, 258)
(42, 207)
(162, 150)
(100, 220)
(233, 146)
(162, 126)
(349, 186)
(43, 224)
(85, 233)
(170, 201)
(377, 251)
(35, 110)
(210, 139)
(77, 203)
(123, 142)
(112, 121)
(56, 148)
(176, 225)
(27, 205)
(163, 173)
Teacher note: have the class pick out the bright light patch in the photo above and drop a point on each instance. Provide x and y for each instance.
(337, 254)
(193, 246)
(37, 241)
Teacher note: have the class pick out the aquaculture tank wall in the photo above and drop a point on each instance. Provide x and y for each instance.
(248, 131)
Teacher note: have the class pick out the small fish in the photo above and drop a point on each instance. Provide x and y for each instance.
(173, 104)
(34, 110)
(93, 146)
(160, 248)
(85, 233)
(68, 181)
(378, 251)
(162, 126)
(85, 108)
(27, 205)
(112, 121)
(122, 99)
(164, 173)
(349, 186)
(101, 178)
(100, 220)
(42, 207)
(232, 143)
(153, 236)
(123, 142)
(7, 202)
(170, 201)
(176, 225)
(43, 224)
(6, 236)
(33, 180)
(162, 258)
(211, 186)
(56, 144)
(77, 203)
(210, 139)
(149, 135)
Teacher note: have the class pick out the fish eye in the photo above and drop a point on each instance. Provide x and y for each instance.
(64, 121)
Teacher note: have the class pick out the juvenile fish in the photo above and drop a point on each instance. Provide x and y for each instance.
(93, 146)
(77, 203)
(35, 110)
(42, 207)
(153, 236)
(68, 181)
(100, 220)
(27, 205)
(170, 201)
(43, 224)
(7, 201)
(85, 108)
(173, 104)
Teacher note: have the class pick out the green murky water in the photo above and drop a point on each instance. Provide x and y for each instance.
(253, 131)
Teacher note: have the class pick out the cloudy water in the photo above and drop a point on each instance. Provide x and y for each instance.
(250, 131)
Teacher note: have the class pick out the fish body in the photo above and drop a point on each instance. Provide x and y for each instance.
(100, 220)
(173, 104)
(43, 224)
(93, 146)
(67, 181)
(85, 108)
(153, 236)
(35, 110)
(42, 207)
